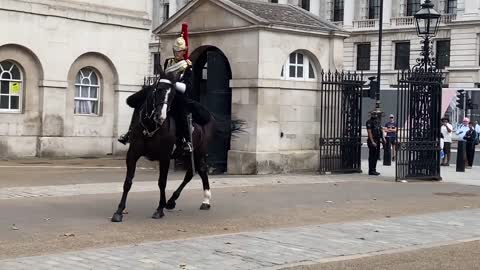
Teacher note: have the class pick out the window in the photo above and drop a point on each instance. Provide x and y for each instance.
(157, 66)
(451, 6)
(374, 9)
(10, 87)
(274, 1)
(87, 88)
(402, 55)
(338, 10)
(413, 6)
(166, 11)
(298, 67)
(363, 56)
(443, 54)
(306, 4)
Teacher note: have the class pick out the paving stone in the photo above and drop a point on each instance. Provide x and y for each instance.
(272, 249)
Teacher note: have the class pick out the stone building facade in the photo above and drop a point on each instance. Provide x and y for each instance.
(66, 68)
(275, 54)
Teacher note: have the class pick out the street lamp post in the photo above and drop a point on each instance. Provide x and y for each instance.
(427, 20)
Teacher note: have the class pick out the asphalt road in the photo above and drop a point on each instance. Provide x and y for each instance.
(43, 222)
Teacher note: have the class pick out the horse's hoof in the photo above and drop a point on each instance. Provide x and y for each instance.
(205, 206)
(171, 205)
(117, 217)
(158, 215)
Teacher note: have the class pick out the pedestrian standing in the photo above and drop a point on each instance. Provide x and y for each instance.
(446, 131)
(375, 137)
(391, 137)
(470, 137)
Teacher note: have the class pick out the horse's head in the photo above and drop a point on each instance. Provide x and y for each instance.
(163, 96)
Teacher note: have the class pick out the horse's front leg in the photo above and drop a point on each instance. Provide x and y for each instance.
(188, 176)
(162, 184)
(203, 172)
(131, 161)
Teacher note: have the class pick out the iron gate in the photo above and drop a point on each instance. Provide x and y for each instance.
(418, 116)
(340, 122)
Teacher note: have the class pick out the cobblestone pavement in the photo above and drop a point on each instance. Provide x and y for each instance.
(144, 186)
(272, 249)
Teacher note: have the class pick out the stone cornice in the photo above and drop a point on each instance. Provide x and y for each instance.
(261, 27)
(81, 12)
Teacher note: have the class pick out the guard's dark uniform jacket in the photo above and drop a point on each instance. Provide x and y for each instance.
(373, 151)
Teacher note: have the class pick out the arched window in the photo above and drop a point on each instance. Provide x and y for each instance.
(298, 67)
(11, 84)
(87, 92)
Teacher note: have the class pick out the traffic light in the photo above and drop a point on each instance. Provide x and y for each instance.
(469, 104)
(461, 99)
(372, 89)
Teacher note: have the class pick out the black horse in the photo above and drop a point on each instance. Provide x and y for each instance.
(153, 136)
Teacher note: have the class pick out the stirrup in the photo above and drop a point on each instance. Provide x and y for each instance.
(187, 147)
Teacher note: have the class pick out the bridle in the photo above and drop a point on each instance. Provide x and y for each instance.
(159, 118)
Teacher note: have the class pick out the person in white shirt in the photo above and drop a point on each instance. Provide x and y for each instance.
(462, 130)
(446, 131)
(477, 128)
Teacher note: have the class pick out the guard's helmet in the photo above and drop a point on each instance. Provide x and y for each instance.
(180, 44)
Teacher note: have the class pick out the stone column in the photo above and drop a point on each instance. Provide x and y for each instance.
(471, 9)
(348, 14)
(387, 11)
(315, 7)
(172, 7)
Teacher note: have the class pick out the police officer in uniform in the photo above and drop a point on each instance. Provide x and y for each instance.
(375, 137)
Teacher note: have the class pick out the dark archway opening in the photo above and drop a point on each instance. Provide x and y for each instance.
(211, 87)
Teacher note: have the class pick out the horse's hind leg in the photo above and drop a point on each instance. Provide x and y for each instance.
(162, 184)
(203, 172)
(188, 176)
(132, 159)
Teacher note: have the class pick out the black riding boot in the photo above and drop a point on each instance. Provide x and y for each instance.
(183, 145)
(125, 138)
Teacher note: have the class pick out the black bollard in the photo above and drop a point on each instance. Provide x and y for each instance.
(461, 156)
(387, 153)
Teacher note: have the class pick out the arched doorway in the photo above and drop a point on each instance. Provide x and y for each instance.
(211, 78)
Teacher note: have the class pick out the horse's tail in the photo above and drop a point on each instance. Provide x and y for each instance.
(229, 127)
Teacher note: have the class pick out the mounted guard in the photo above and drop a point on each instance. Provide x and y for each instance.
(179, 69)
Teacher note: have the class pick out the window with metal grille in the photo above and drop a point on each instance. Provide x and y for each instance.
(451, 6)
(87, 92)
(306, 4)
(413, 6)
(374, 9)
(442, 55)
(402, 55)
(363, 56)
(11, 83)
(338, 6)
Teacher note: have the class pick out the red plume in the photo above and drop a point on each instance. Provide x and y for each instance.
(185, 36)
